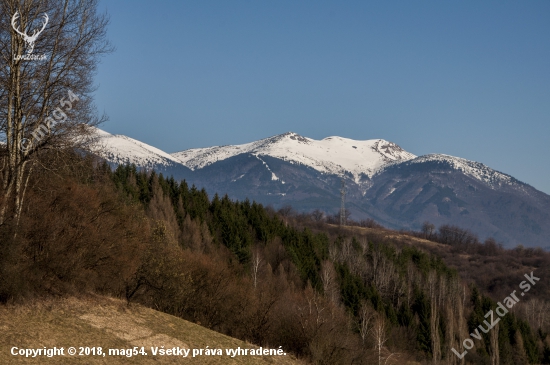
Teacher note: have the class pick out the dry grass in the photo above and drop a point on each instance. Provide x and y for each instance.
(390, 234)
(110, 323)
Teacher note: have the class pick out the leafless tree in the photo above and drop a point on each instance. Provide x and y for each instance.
(256, 262)
(370, 223)
(456, 330)
(318, 215)
(366, 319)
(328, 278)
(535, 311)
(494, 348)
(383, 271)
(434, 291)
(45, 104)
(286, 211)
(347, 250)
(380, 336)
(428, 230)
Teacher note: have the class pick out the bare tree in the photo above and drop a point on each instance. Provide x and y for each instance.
(366, 317)
(369, 223)
(328, 278)
(453, 307)
(434, 291)
(535, 311)
(493, 345)
(286, 210)
(256, 262)
(428, 230)
(347, 250)
(312, 311)
(383, 271)
(45, 103)
(380, 336)
(318, 215)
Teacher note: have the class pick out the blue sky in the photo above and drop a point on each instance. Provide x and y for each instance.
(464, 78)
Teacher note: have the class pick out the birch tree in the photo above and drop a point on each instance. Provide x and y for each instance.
(434, 285)
(380, 336)
(329, 280)
(366, 317)
(49, 50)
(256, 262)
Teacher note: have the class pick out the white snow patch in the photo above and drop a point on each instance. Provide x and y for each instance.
(273, 176)
(240, 177)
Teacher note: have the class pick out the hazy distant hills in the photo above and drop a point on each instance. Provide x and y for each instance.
(383, 181)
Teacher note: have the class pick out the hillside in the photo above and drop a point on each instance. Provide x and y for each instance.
(110, 323)
(449, 190)
(491, 268)
(270, 278)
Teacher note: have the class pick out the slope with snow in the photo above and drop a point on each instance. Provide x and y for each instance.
(120, 150)
(494, 179)
(331, 155)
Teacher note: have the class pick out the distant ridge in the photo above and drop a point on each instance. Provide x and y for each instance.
(331, 155)
(383, 181)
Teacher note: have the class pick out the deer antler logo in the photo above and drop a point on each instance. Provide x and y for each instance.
(29, 39)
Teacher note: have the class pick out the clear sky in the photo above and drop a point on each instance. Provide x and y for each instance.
(464, 78)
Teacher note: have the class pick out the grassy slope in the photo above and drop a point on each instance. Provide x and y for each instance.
(109, 323)
(390, 234)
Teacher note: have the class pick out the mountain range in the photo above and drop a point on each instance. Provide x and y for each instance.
(382, 181)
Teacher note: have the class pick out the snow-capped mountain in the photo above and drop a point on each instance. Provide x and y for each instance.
(383, 182)
(120, 150)
(331, 155)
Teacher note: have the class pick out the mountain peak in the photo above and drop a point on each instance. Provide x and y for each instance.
(287, 136)
(333, 155)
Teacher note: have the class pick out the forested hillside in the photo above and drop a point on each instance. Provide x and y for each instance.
(327, 295)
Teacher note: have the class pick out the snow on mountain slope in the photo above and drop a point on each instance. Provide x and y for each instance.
(119, 149)
(477, 170)
(334, 155)
(331, 155)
